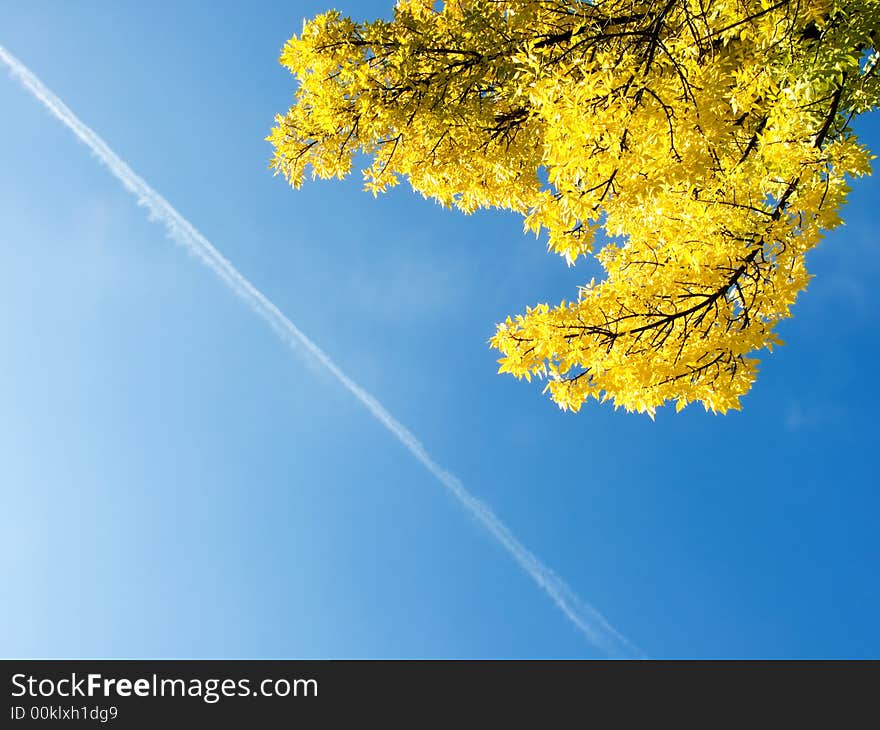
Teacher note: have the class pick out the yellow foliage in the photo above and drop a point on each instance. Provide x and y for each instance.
(709, 141)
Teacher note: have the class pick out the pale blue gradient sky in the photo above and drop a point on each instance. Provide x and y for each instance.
(174, 483)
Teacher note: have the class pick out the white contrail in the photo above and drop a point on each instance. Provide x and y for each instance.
(586, 618)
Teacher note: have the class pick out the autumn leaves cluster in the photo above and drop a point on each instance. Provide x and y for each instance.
(698, 149)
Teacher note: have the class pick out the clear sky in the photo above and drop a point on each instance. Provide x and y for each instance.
(175, 483)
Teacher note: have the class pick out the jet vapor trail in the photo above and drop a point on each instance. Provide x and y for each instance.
(587, 619)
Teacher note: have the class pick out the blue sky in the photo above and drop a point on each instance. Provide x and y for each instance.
(175, 483)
